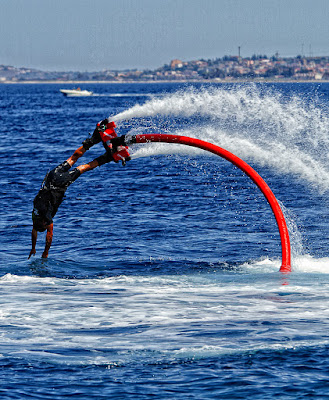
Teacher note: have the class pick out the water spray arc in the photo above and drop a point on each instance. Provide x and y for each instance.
(247, 169)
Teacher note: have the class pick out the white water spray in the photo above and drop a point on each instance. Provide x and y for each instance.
(289, 135)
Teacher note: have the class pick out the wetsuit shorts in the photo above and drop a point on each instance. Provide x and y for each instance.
(51, 195)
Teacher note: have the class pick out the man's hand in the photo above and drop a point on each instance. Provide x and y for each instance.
(32, 253)
(45, 254)
(34, 237)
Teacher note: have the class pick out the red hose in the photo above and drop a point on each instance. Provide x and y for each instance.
(248, 170)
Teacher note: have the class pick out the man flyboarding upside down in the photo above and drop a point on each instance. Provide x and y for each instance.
(51, 194)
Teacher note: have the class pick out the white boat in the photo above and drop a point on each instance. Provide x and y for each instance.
(75, 92)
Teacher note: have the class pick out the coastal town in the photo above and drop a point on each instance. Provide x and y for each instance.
(225, 69)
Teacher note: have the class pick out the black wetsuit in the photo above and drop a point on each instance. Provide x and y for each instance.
(51, 195)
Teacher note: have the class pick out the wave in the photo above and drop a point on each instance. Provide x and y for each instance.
(175, 273)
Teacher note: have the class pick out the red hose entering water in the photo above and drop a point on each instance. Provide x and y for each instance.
(248, 170)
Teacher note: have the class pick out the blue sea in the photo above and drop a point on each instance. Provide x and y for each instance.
(163, 277)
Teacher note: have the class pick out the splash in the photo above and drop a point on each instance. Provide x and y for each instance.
(289, 134)
(304, 263)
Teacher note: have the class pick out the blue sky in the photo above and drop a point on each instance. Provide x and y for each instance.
(91, 35)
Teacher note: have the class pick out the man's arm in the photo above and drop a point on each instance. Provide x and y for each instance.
(49, 239)
(34, 241)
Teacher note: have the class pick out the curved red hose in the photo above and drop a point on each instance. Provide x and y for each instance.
(248, 170)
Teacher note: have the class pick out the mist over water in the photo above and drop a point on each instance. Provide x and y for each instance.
(287, 133)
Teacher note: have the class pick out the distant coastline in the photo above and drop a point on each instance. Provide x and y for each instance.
(229, 69)
(244, 81)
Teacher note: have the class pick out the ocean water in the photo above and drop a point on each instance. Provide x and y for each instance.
(163, 277)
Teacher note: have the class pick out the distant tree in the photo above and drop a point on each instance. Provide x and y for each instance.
(258, 57)
(213, 73)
